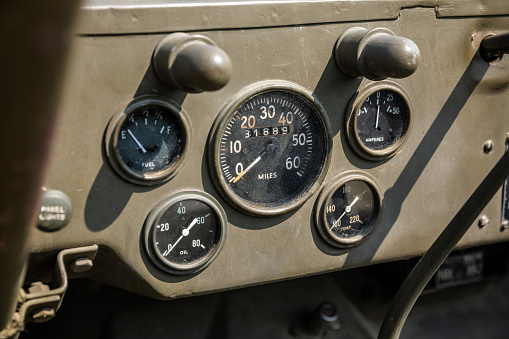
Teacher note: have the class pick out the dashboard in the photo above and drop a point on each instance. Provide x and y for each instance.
(287, 166)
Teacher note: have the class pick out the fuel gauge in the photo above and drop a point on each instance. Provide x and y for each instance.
(350, 209)
(147, 141)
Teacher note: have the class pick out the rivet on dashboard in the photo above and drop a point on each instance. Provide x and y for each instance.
(488, 146)
(483, 221)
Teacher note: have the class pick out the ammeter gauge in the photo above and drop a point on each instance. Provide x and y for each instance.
(147, 141)
(379, 119)
(348, 209)
(185, 232)
(269, 148)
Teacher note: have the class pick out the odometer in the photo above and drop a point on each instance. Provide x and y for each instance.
(270, 148)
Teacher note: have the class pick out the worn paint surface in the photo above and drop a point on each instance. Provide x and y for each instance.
(459, 102)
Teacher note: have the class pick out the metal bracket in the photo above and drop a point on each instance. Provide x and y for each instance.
(42, 303)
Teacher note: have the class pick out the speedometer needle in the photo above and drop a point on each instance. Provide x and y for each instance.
(241, 174)
(347, 210)
(137, 142)
(185, 233)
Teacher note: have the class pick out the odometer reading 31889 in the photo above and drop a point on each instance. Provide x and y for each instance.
(270, 150)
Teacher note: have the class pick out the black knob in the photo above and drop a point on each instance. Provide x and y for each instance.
(325, 318)
(376, 54)
(493, 47)
(191, 63)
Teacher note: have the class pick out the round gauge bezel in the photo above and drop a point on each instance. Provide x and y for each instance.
(113, 130)
(156, 214)
(351, 120)
(218, 129)
(326, 194)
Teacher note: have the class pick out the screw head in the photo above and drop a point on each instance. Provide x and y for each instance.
(43, 315)
(38, 287)
(504, 226)
(483, 221)
(488, 146)
(81, 265)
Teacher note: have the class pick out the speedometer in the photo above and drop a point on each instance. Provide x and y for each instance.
(270, 148)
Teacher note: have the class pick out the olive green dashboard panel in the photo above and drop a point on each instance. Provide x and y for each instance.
(458, 103)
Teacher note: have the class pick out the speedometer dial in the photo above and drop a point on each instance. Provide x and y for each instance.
(270, 148)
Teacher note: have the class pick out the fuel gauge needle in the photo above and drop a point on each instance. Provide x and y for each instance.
(241, 174)
(137, 142)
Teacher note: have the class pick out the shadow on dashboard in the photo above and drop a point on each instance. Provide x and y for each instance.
(397, 194)
(107, 198)
(109, 193)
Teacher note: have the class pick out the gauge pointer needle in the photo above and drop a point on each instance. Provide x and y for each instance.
(347, 209)
(249, 167)
(136, 140)
(377, 116)
(185, 233)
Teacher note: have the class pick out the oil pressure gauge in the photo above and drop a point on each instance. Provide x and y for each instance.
(348, 209)
(269, 148)
(185, 232)
(379, 120)
(147, 141)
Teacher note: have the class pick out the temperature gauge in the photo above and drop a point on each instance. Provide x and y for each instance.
(379, 120)
(185, 232)
(349, 210)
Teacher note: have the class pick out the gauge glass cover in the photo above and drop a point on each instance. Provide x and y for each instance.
(271, 150)
(382, 120)
(379, 121)
(185, 232)
(351, 209)
(149, 140)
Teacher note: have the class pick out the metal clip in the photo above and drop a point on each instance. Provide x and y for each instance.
(41, 303)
